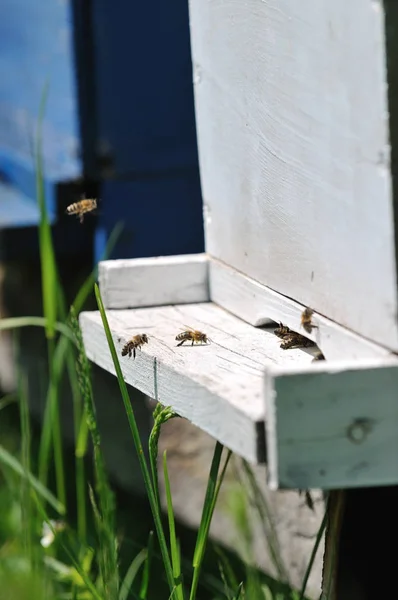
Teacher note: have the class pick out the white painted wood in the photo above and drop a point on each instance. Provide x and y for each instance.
(219, 387)
(256, 304)
(333, 425)
(154, 281)
(292, 121)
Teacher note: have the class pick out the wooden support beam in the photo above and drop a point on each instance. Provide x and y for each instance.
(333, 424)
(154, 281)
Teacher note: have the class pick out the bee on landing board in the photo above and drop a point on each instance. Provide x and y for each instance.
(295, 340)
(306, 320)
(192, 335)
(136, 342)
(318, 356)
(82, 207)
(282, 330)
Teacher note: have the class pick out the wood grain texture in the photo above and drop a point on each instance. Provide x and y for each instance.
(333, 425)
(256, 304)
(294, 152)
(218, 387)
(154, 281)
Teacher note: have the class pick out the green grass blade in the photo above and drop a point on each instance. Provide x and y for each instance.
(213, 489)
(7, 400)
(131, 574)
(81, 499)
(80, 420)
(47, 257)
(313, 555)
(61, 354)
(154, 450)
(51, 430)
(147, 569)
(138, 445)
(109, 578)
(26, 505)
(50, 287)
(47, 428)
(105, 517)
(79, 423)
(239, 591)
(75, 562)
(82, 438)
(17, 322)
(172, 596)
(161, 415)
(227, 572)
(10, 461)
(210, 491)
(265, 514)
(175, 553)
(224, 580)
(51, 424)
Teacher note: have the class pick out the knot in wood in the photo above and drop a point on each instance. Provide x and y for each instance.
(358, 431)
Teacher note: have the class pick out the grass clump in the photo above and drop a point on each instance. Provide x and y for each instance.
(45, 552)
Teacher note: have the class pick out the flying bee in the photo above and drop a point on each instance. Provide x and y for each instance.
(136, 342)
(306, 320)
(192, 335)
(295, 340)
(318, 356)
(282, 330)
(82, 207)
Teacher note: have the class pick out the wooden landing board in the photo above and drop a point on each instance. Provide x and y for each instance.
(333, 426)
(154, 281)
(257, 303)
(218, 387)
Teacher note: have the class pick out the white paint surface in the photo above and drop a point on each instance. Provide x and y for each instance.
(293, 140)
(256, 304)
(154, 281)
(218, 387)
(333, 426)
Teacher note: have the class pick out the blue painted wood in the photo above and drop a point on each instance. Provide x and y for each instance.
(131, 84)
(19, 175)
(71, 242)
(16, 209)
(146, 128)
(35, 47)
(160, 218)
(145, 105)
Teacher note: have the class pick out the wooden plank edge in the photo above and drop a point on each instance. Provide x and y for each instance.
(332, 425)
(257, 304)
(155, 281)
(191, 400)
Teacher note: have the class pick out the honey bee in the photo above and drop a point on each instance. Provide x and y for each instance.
(306, 320)
(136, 342)
(192, 335)
(82, 207)
(295, 340)
(282, 330)
(318, 356)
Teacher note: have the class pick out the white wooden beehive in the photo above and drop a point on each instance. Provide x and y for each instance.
(293, 131)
